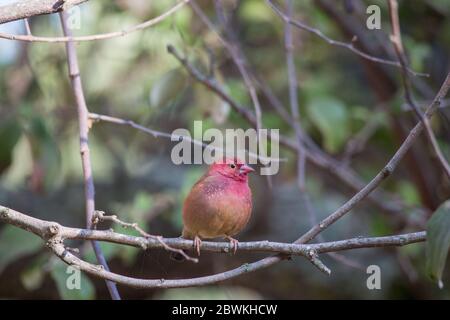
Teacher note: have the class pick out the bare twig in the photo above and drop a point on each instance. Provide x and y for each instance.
(212, 85)
(100, 216)
(173, 137)
(54, 234)
(396, 39)
(336, 43)
(96, 37)
(89, 189)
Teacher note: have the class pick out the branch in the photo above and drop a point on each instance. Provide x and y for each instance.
(396, 39)
(173, 137)
(89, 190)
(54, 234)
(336, 43)
(212, 85)
(29, 8)
(103, 36)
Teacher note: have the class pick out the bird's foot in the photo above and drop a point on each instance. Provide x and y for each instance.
(233, 243)
(197, 244)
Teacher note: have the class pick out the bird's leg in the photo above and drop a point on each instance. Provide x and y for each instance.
(197, 244)
(233, 242)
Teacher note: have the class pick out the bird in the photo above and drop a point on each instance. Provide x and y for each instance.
(219, 204)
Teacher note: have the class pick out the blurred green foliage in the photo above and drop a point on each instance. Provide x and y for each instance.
(134, 77)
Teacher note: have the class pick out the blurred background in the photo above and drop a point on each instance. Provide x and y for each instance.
(352, 108)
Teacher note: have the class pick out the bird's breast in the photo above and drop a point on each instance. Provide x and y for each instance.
(217, 208)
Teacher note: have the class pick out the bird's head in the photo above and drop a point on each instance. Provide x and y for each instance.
(231, 168)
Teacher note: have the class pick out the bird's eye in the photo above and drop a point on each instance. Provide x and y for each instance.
(232, 166)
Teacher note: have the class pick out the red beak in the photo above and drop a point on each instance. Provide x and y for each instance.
(244, 169)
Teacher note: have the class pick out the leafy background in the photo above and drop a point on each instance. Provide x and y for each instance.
(135, 78)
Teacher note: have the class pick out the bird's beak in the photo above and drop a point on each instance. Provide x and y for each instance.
(244, 169)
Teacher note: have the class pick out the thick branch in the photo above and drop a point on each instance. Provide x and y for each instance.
(54, 234)
(29, 8)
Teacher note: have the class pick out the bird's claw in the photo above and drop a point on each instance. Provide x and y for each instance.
(233, 243)
(197, 244)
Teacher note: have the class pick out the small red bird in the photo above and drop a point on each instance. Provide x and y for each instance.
(219, 204)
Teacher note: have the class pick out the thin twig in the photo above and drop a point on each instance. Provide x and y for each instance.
(88, 179)
(96, 37)
(350, 46)
(100, 216)
(211, 84)
(173, 137)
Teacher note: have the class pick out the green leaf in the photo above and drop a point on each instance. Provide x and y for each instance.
(16, 243)
(68, 287)
(166, 88)
(438, 242)
(331, 118)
